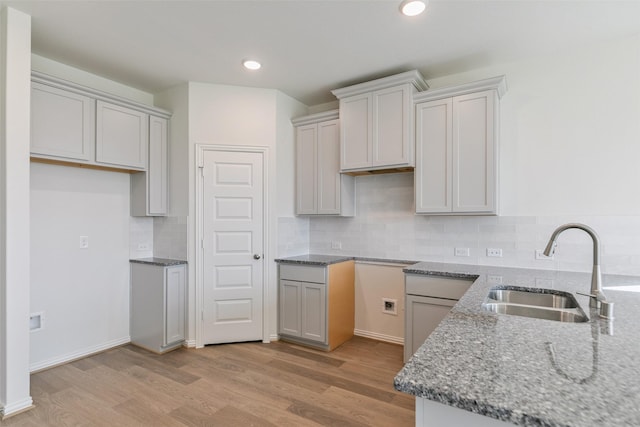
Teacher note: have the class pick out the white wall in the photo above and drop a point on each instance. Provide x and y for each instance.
(375, 282)
(570, 126)
(81, 77)
(231, 115)
(83, 293)
(15, 89)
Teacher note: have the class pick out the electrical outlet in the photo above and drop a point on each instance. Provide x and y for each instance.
(336, 245)
(143, 246)
(462, 252)
(494, 252)
(84, 242)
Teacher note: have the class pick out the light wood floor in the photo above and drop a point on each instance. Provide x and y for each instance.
(251, 384)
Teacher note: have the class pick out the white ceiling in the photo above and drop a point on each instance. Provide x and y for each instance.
(309, 47)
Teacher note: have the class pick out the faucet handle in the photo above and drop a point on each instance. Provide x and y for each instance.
(606, 310)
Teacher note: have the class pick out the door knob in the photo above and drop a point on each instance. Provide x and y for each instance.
(256, 256)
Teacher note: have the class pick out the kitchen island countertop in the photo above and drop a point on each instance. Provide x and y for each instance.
(530, 371)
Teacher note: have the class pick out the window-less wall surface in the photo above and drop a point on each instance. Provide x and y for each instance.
(568, 153)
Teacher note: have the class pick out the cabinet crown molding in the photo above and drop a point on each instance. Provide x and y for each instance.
(499, 84)
(37, 76)
(315, 118)
(413, 77)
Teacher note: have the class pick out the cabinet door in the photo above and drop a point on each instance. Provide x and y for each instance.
(62, 123)
(121, 136)
(423, 315)
(433, 174)
(474, 151)
(328, 167)
(306, 174)
(175, 287)
(290, 321)
(392, 133)
(157, 172)
(356, 129)
(314, 312)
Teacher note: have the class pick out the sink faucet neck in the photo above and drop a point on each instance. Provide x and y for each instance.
(596, 276)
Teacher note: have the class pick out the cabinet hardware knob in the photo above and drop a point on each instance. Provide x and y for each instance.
(256, 256)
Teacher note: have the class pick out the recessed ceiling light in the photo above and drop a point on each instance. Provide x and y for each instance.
(251, 64)
(413, 7)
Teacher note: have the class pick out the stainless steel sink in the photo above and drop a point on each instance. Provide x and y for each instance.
(545, 304)
(544, 299)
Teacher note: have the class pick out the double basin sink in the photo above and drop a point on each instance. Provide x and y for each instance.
(545, 304)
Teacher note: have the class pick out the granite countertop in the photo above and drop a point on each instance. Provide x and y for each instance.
(163, 262)
(315, 259)
(526, 371)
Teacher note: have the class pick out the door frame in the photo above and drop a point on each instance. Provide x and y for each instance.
(201, 149)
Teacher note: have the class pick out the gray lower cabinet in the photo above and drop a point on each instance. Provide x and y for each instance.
(158, 306)
(428, 299)
(304, 310)
(316, 304)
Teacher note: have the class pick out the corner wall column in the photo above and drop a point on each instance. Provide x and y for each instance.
(15, 93)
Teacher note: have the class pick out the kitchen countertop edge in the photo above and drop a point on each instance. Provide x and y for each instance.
(162, 262)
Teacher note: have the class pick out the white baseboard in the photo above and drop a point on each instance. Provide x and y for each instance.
(189, 344)
(15, 408)
(69, 357)
(379, 337)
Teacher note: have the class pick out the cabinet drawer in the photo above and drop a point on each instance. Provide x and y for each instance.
(438, 287)
(302, 273)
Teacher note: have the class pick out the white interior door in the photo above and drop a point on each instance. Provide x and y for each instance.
(232, 246)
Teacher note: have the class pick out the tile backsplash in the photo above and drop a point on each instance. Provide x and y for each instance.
(385, 226)
(162, 237)
(140, 237)
(170, 237)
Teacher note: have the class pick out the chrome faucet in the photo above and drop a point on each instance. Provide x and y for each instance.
(596, 294)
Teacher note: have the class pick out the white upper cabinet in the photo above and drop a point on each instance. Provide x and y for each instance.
(62, 125)
(121, 136)
(357, 111)
(71, 123)
(457, 148)
(149, 189)
(376, 121)
(320, 188)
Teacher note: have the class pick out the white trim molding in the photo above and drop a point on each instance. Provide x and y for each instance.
(499, 84)
(413, 77)
(79, 354)
(16, 408)
(378, 337)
